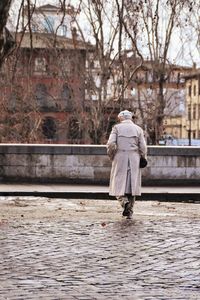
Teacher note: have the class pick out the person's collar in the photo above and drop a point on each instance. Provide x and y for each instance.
(127, 121)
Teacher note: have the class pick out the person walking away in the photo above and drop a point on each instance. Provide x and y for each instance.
(125, 146)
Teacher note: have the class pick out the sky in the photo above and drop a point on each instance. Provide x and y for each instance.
(186, 55)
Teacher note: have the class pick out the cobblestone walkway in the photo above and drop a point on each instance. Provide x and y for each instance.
(88, 259)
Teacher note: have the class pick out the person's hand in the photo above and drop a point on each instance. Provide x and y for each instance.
(111, 150)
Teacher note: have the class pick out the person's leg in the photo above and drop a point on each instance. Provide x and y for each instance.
(126, 211)
(123, 200)
(127, 202)
(129, 208)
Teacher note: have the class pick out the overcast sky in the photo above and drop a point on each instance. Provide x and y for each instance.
(184, 56)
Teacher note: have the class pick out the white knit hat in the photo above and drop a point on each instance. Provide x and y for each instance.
(126, 114)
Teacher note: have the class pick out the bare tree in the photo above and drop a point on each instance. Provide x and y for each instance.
(144, 27)
(6, 39)
(100, 19)
(20, 119)
(107, 78)
(190, 32)
(150, 25)
(32, 104)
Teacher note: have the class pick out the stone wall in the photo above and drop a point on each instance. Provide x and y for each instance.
(90, 164)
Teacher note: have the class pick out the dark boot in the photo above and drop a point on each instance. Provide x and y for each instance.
(123, 200)
(130, 205)
(126, 211)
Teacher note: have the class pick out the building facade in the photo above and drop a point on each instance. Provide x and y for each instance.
(44, 80)
(192, 119)
(143, 94)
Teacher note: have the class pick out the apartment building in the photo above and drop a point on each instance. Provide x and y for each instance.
(192, 119)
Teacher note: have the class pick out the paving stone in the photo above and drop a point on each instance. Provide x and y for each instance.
(147, 258)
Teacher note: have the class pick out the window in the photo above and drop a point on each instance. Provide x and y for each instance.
(178, 77)
(12, 101)
(45, 100)
(91, 64)
(49, 128)
(49, 24)
(149, 76)
(199, 85)
(41, 94)
(40, 64)
(63, 30)
(194, 90)
(134, 91)
(65, 93)
(146, 77)
(173, 77)
(15, 100)
(194, 111)
(35, 27)
(189, 90)
(66, 97)
(74, 132)
(189, 112)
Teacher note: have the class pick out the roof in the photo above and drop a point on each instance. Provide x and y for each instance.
(48, 40)
(148, 64)
(69, 9)
(48, 7)
(193, 74)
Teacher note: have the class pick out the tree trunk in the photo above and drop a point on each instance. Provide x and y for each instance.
(161, 101)
(6, 41)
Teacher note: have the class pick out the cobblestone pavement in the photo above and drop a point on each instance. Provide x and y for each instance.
(53, 249)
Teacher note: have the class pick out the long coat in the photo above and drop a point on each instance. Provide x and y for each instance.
(130, 145)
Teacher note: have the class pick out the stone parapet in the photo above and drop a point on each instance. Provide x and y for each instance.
(90, 164)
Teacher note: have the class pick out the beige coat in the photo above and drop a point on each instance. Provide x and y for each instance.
(131, 144)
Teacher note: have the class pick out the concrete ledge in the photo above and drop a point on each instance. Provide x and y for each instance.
(92, 149)
(52, 149)
(173, 151)
(161, 194)
(89, 164)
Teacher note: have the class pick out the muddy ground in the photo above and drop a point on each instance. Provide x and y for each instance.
(39, 208)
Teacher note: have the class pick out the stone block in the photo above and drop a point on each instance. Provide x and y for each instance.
(19, 172)
(101, 174)
(94, 160)
(192, 173)
(63, 161)
(44, 171)
(162, 161)
(167, 173)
